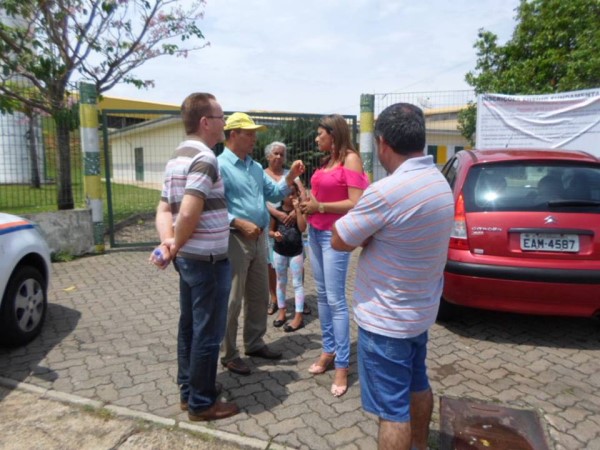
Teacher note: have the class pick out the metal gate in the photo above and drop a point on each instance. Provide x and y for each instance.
(441, 109)
(138, 143)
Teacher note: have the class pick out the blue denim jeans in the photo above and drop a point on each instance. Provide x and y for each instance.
(390, 369)
(329, 269)
(203, 296)
(296, 266)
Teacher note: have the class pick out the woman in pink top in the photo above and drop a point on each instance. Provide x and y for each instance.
(335, 189)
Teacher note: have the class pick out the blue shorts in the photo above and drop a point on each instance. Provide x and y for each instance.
(389, 369)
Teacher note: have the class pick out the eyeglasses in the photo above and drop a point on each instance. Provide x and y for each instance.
(215, 117)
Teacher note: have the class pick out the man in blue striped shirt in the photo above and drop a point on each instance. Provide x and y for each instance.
(403, 223)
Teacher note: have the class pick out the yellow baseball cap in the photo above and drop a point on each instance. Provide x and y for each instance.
(242, 121)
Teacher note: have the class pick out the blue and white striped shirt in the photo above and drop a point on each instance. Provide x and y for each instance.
(408, 216)
(194, 170)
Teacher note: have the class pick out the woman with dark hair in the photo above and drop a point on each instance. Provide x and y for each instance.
(335, 188)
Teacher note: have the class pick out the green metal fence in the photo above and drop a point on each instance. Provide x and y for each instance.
(441, 111)
(29, 168)
(137, 145)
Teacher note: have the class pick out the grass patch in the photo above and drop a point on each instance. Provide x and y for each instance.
(101, 413)
(128, 200)
(23, 199)
(62, 256)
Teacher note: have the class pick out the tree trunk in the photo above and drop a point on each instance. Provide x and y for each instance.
(33, 156)
(65, 187)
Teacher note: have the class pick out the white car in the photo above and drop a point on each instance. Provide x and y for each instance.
(24, 280)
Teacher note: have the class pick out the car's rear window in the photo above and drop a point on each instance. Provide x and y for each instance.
(533, 186)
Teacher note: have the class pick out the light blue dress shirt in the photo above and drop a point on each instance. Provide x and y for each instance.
(247, 188)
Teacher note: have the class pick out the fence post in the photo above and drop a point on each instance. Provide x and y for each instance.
(88, 116)
(367, 125)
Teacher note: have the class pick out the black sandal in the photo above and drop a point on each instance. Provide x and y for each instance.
(278, 323)
(272, 309)
(291, 329)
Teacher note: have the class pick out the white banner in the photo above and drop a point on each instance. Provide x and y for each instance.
(568, 120)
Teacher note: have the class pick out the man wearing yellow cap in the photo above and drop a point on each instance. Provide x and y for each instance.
(247, 189)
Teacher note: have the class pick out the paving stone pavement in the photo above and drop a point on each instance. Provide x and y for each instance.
(110, 337)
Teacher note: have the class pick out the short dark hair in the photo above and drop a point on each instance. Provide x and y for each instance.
(194, 107)
(402, 125)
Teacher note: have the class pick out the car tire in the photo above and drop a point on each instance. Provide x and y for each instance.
(24, 307)
(447, 311)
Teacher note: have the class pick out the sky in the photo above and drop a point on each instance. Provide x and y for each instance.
(319, 56)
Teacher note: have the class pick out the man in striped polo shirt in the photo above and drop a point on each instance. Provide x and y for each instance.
(193, 199)
(403, 223)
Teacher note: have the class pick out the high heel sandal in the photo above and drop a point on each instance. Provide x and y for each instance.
(321, 366)
(272, 309)
(337, 390)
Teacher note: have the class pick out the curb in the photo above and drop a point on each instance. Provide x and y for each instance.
(122, 412)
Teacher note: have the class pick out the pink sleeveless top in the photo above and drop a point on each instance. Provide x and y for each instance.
(332, 186)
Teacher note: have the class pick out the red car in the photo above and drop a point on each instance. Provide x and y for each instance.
(526, 235)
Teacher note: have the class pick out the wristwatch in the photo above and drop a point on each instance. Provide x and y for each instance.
(321, 208)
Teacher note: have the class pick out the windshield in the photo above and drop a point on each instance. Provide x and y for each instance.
(533, 186)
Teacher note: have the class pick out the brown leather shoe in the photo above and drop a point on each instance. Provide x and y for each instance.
(237, 366)
(219, 410)
(218, 387)
(265, 353)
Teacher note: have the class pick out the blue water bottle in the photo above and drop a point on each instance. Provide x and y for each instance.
(158, 256)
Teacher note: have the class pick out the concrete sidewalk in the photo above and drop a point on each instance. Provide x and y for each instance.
(110, 337)
(35, 418)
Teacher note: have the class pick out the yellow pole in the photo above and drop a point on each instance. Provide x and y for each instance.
(88, 116)
(367, 125)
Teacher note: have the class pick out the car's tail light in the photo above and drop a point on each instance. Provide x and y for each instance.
(458, 237)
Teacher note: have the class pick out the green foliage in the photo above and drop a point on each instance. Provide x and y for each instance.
(8, 105)
(62, 256)
(44, 45)
(554, 48)
(299, 136)
(69, 116)
(466, 122)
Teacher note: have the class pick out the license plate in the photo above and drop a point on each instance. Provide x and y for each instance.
(549, 242)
